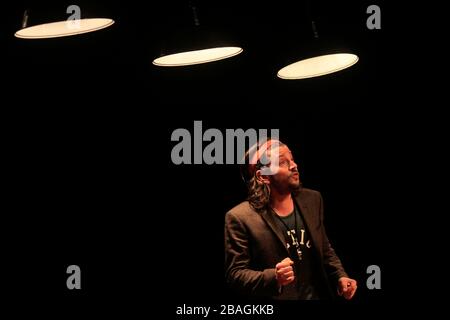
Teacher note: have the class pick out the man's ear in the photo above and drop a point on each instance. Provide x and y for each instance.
(262, 178)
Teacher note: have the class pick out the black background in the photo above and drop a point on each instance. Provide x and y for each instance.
(87, 122)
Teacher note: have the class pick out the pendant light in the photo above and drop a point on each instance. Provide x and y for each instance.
(53, 21)
(318, 66)
(195, 45)
(321, 58)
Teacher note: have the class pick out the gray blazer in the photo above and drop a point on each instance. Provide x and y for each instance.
(254, 244)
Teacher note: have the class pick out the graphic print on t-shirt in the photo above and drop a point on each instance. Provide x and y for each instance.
(297, 238)
(299, 245)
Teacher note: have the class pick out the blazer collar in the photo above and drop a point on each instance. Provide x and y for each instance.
(268, 216)
(307, 214)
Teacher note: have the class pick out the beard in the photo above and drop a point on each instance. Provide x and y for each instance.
(294, 185)
(288, 185)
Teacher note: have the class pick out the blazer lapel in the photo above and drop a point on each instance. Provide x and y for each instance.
(268, 217)
(308, 216)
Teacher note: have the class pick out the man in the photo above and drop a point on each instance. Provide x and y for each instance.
(276, 244)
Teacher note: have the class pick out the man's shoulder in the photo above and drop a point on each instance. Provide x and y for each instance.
(309, 192)
(306, 194)
(242, 210)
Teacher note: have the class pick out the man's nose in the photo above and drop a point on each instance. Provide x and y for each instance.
(293, 166)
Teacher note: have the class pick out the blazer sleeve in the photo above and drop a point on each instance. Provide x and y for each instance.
(332, 263)
(238, 272)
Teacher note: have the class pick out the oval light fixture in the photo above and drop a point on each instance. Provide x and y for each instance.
(317, 66)
(197, 56)
(194, 44)
(64, 28)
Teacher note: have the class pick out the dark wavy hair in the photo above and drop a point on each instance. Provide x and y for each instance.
(258, 194)
(258, 191)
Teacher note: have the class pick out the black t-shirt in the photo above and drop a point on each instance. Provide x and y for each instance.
(295, 231)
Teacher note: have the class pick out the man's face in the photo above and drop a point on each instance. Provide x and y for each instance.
(287, 178)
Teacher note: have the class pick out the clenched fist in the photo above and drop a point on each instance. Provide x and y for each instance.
(347, 287)
(284, 272)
